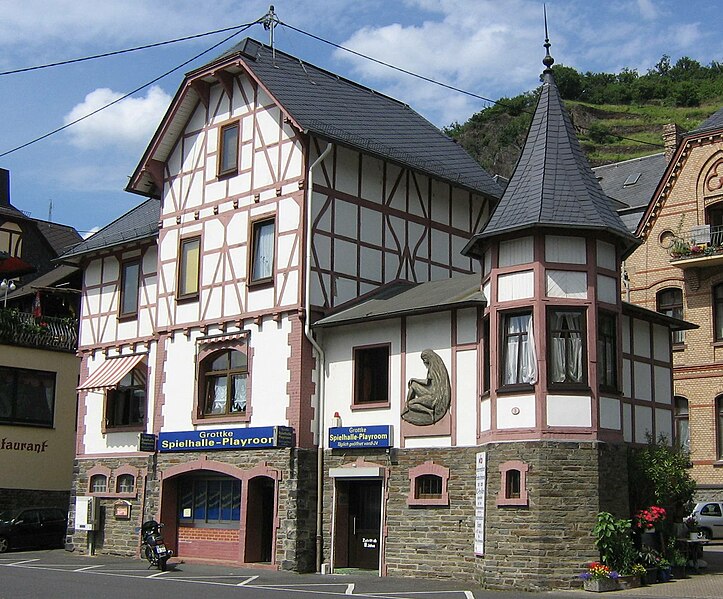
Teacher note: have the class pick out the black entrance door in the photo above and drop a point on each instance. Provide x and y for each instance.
(364, 523)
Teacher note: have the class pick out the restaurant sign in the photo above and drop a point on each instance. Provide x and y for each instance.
(354, 437)
(226, 438)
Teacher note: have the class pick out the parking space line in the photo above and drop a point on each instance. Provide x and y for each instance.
(25, 561)
(349, 589)
(157, 574)
(245, 582)
(87, 568)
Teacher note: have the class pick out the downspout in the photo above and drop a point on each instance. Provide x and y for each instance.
(320, 354)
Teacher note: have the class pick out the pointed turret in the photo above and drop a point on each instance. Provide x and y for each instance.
(553, 186)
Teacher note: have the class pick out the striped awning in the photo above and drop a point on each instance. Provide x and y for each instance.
(110, 373)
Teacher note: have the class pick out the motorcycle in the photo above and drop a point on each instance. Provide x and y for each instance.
(152, 545)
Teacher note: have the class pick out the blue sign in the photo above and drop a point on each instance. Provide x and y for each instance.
(353, 437)
(226, 438)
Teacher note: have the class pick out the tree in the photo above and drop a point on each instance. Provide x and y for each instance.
(569, 81)
(658, 475)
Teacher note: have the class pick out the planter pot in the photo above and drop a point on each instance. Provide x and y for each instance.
(679, 572)
(650, 576)
(651, 538)
(629, 582)
(600, 585)
(664, 574)
(696, 536)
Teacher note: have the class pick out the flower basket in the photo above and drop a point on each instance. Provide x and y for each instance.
(601, 585)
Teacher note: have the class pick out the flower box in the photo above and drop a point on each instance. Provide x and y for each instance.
(601, 585)
(650, 576)
(631, 581)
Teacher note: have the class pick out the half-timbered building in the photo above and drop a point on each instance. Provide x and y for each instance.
(478, 425)
(277, 192)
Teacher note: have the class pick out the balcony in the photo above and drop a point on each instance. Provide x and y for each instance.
(701, 247)
(20, 328)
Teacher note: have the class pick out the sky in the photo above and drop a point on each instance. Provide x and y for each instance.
(492, 48)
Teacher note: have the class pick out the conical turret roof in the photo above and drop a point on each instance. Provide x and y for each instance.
(553, 185)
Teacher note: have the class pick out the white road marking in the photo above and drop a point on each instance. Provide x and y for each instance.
(25, 561)
(349, 589)
(87, 568)
(245, 582)
(156, 575)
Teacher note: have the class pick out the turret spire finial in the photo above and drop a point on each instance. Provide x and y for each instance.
(548, 61)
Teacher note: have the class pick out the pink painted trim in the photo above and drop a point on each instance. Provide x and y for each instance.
(428, 468)
(505, 469)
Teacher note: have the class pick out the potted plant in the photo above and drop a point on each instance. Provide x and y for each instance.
(664, 570)
(632, 578)
(599, 578)
(650, 559)
(646, 519)
(691, 523)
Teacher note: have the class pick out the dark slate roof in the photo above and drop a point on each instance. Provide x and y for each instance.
(13, 212)
(402, 298)
(139, 223)
(338, 110)
(60, 237)
(50, 279)
(632, 183)
(715, 121)
(553, 185)
(675, 324)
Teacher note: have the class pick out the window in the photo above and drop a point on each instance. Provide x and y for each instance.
(262, 255)
(209, 502)
(486, 361)
(607, 355)
(26, 396)
(428, 485)
(130, 276)
(518, 350)
(224, 383)
(513, 484)
(670, 303)
(718, 311)
(188, 267)
(98, 483)
(566, 330)
(228, 160)
(126, 404)
(682, 429)
(125, 483)
(719, 424)
(371, 375)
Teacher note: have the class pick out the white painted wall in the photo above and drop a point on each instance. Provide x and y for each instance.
(606, 255)
(514, 286)
(515, 411)
(610, 413)
(516, 251)
(569, 410)
(566, 283)
(564, 249)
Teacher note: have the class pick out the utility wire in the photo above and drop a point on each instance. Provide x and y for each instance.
(116, 52)
(445, 85)
(241, 29)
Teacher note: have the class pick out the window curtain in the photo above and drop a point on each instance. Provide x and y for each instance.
(238, 402)
(566, 351)
(216, 395)
(263, 252)
(520, 359)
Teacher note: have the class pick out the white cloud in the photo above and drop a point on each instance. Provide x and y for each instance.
(129, 123)
(647, 10)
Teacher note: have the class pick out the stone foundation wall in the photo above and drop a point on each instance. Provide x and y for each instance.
(296, 496)
(542, 545)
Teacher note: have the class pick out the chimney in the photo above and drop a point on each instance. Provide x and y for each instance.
(672, 135)
(4, 187)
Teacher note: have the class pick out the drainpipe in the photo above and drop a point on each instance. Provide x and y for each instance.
(320, 354)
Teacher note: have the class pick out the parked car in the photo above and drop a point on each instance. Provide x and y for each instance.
(709, 516)
(32, 527)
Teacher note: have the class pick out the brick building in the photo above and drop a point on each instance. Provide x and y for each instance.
(677, 271)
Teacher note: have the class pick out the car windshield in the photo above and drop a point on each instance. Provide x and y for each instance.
(6, 516)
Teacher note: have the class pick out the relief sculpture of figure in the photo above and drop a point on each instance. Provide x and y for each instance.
(428, 399)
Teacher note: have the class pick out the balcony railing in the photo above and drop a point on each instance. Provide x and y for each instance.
(700, 244)
(45, 332)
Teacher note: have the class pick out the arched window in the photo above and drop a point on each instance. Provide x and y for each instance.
(98, 483)
(223, 383)
(718, 311)
(125, 483)
(428, 485)
(513, 479)
(670, 303)
(719, 425)
(682, 429)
